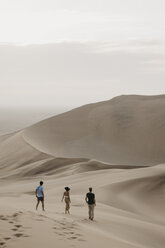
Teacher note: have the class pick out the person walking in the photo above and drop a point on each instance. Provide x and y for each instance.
(66, 195)
(40, 195)
(91, 201)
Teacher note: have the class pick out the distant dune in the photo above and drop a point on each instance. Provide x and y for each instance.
(127, 130)
(19, 160)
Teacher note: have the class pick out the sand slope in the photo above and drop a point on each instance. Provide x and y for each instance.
(130, 197)
(18, 159)
(15, 153)
(124, 130)
(129, 211)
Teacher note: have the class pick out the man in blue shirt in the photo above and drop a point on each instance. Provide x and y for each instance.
(40, 195)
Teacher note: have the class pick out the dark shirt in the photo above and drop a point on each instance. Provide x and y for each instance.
(90, 198)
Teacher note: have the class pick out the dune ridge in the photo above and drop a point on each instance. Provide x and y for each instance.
(124, 130)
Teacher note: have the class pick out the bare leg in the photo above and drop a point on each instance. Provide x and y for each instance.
(92, 212)
(43, 206)
(67, 206)
(37, 204)
(89, 211)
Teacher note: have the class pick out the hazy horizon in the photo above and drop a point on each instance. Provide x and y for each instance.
(72, 74)
(64, 54)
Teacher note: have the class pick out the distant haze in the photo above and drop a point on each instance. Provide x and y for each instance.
(14, 119)
(72, 74)
(68, 53)
(63, 54)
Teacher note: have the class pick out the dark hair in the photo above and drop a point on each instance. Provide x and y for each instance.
(41, 182)
(90, 189)
(67, 189)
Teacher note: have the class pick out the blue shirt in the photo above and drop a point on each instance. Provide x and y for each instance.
(39, 191)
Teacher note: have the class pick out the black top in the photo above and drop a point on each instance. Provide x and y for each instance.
(90, 198)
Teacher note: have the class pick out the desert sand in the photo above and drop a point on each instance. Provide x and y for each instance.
(117, 147)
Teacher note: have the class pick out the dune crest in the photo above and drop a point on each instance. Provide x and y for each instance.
(127, 130)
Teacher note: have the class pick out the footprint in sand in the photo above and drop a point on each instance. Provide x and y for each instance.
(18, 235)
(64, 228)
(2, 244)
(77, 238)
(15, 215)
(63, 224)
(68, 233)
(60, 234)
(14, 229)
(2, 217)
(18, 226)
(73, 237)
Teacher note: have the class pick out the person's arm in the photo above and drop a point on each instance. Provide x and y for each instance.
(62, 197)
(86, 199)
(94, 200)
(36, 192)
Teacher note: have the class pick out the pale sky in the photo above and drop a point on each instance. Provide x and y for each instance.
(72, 52)
(45, 21)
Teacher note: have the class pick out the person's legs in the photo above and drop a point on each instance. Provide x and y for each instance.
(43, 206)
(38, 201)
(67, 206)
(89, 208)
(92, 211)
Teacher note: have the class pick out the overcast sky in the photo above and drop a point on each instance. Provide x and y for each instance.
(62, 53)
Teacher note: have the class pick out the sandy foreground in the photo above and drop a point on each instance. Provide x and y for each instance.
(129, 211)
(130, 196)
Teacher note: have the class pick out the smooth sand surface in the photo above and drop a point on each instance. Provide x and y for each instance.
(129, 210)
(124, 130)
(130, 199)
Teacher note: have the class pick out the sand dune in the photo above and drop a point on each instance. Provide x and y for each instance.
(19, 159)
(16, 153)
(126, 131)
(129, 211)
(140, 192)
